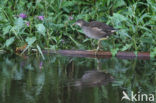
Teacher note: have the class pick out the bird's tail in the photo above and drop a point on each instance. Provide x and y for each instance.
(114, 30)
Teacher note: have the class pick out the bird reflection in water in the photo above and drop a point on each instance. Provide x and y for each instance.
(93, 78)
(90, 78)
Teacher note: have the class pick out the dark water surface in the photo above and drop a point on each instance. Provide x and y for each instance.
(61, 79)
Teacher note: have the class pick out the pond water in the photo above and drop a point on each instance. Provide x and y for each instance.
(60, 79)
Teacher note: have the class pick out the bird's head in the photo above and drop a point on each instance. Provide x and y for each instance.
(80, 22)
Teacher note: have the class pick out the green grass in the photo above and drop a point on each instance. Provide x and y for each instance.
(134, 19)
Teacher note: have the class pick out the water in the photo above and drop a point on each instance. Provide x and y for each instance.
(61, 79)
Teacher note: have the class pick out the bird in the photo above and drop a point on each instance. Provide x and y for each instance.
(96, 30)
(94, 78)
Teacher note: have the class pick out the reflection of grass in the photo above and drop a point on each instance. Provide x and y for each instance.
(50, 81)
(137, 76)
(135, 22)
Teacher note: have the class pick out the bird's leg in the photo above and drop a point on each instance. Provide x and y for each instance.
(99, 44)
(98, 48)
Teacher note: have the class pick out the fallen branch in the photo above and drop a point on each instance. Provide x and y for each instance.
(100, 54)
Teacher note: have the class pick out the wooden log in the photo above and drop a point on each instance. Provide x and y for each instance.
(100, 54)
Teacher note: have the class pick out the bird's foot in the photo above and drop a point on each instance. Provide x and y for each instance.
(97, 50)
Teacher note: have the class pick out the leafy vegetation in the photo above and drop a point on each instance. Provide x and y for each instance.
(48, 24)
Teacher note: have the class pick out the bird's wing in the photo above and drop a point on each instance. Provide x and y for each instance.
(101, 26)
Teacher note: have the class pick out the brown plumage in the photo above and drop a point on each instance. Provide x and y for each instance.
(102, 26)
(96, 30)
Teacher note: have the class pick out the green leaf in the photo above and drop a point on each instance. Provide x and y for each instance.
(118, 18)
(114, 51)
(153, 53)
(117, 83)
(53, 47)
(6, 30)
(9, 41)
(69, 3)
(77, 43)
(127, 46)
(59, 25)
(146, 40)
(30, 40)
(146, 15)
(19, 23)
(40, 51)
(119, 3)
(123, 33)
(41, 29)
